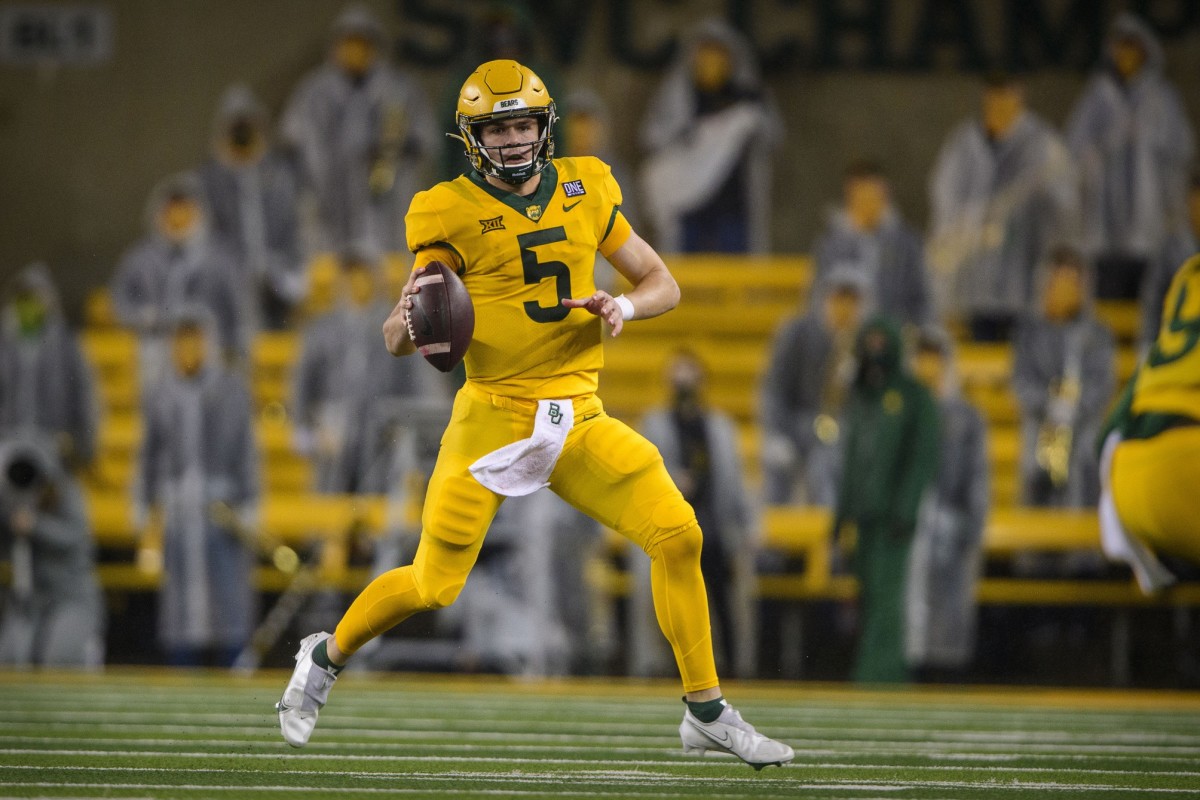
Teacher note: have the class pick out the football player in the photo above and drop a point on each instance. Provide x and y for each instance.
(1149, 466)
(522, 229)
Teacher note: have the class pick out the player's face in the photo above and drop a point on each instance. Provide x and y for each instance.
(510, 142)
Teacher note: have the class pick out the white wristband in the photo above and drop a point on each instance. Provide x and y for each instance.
(626, 306)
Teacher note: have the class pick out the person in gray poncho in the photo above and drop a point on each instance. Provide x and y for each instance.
(867, 234)
(251, 192)
(947, 551)
(343, 378)
(1064, 376)
(706, 182)
(45, 382)
(53, 611)
(699, 445)
(178, 263)
(804, 391)
(1002, 193)
(1130, 134)
(361, 131)
(198, 473)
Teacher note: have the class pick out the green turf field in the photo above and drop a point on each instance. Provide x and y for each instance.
(161, 734)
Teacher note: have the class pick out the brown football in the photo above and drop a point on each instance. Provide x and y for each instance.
(441, 321)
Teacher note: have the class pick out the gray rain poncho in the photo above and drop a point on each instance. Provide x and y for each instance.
(692, 156)
(46, 384)
(891, 259)
(199, 464)
(947, 551)
(53, 607)
(361, 143)
(253, 207)
(997, 209)
(157, 278)
(727, 520)
(808, 376)
(1133, 143)
(1045, 353)
(343, 380)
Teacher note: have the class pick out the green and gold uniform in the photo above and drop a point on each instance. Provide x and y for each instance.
(519, 257)
(1156, 467)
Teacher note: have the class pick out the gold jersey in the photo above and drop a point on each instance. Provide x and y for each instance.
(1169, 379)
(519, 257)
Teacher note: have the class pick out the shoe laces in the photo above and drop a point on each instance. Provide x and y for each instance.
(735, 720)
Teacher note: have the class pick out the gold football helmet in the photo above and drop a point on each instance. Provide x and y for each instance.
(504, 89)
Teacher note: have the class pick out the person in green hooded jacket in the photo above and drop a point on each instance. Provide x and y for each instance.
(891, 443)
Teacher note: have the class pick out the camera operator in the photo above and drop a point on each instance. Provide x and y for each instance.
(53, 612)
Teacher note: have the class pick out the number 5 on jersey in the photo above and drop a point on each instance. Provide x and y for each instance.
(537, 271)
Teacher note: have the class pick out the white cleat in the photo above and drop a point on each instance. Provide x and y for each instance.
(305, 694)
(729, 733)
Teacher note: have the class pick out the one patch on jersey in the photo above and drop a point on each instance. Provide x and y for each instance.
(573, 188)
(493, 224)
(534, 212)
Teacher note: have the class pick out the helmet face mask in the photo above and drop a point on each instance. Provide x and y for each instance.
(504, 90)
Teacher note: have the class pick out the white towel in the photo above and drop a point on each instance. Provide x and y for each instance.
(1116, 542)
(523, 467)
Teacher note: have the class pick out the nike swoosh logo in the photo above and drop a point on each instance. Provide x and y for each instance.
(722, 740)
(569, 207)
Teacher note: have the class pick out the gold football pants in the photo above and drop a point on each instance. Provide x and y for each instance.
(606, 470)
(1155, 485)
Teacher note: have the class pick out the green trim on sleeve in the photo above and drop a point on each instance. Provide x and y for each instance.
(612, 220)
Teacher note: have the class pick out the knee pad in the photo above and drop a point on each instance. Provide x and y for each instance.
(440, 572)
(680, 542)
(439, 594)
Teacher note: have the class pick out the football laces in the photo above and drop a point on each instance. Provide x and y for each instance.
(408, 324)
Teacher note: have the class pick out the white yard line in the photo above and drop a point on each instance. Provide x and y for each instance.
(227, 746)
(622, 791)
(405, 759)
(615, 775)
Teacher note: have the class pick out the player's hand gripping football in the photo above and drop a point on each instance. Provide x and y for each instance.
(602, 305)
(395, 327)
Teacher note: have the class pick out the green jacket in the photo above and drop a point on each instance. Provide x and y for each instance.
(892, 438)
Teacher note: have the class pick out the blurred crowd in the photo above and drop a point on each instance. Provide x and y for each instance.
(1029, 226)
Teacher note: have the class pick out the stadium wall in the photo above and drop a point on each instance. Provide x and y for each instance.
(83, 143)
